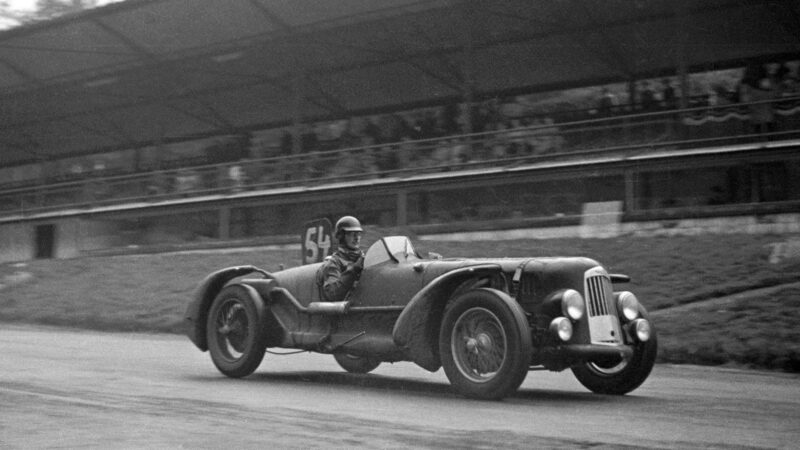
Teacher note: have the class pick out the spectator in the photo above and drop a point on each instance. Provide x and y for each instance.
(647, 98)
(236, 176)
(186, 182)
(480, 118)
(157, 184)
(787, 81)
(712, 96)
(759, 92)
(308, 140)
(608, 103)
(386, 159)
(493, 114)
(512, 108)
(75, 170)
(429, 126)
(405, 151)
(449, 118)
(752, 74)
(449, 153)
(498, 147)
(286, 143)
(517, 138)
(550, 139)
(668, 98)
(535, 141)
(372, 133)
(723, 93)
(387, 125)
(347, 138)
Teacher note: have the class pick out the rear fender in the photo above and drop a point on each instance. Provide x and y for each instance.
(416, 331)
(197, 312)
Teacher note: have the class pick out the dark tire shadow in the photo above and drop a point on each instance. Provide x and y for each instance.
(409, 387)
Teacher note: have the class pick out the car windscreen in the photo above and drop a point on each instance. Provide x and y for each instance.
(392, 248)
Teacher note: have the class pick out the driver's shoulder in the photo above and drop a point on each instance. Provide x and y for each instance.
(336, 259)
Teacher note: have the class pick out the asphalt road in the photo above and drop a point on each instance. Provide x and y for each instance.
(66, 389)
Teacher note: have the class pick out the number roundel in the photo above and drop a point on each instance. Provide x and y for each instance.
(316, 240)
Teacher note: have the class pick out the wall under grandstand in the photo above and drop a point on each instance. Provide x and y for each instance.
(75, 237)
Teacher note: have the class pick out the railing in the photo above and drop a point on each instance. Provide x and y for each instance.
(546, 141)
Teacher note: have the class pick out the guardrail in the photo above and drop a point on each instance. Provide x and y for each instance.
(626, 134)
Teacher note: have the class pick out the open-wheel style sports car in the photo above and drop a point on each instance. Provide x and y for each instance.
(486, 321)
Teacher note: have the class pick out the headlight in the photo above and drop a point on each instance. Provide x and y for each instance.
(572, 304)
(628, 305)
(641, 329)
(562, 328)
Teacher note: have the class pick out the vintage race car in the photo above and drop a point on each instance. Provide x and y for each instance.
(486, 321)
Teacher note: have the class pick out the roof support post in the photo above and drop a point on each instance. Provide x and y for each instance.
(297, 113)
(632, 106)
(160, 146)
(224, 231)
(467, 65)
(632, 94)
(402, 208)
(682, 32)
(630, 205)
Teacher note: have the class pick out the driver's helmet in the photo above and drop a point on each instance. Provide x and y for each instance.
(346, 223)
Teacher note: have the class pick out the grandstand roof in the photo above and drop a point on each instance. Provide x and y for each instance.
(144, 71)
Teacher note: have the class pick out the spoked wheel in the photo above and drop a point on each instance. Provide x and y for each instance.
(236, 337)
(479, 344)
(356, 364)
(623, 376)
(484, 344)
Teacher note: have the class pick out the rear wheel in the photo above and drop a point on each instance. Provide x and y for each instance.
(623, 376)
(356, 364)
(485, 344)
(235, 332)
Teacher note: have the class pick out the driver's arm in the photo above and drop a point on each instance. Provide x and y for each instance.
(338, 279)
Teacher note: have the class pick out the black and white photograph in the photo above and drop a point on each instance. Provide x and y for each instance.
(399, 224)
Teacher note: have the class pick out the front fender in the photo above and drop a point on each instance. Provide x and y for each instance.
(416, 331)
(197, 311)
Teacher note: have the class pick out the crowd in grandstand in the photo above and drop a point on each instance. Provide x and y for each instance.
(760, 87)
(514, 128)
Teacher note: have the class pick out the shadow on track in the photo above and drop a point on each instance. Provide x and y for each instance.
(403, 385)
(369, 381)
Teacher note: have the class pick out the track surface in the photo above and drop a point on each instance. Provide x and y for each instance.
(65, 389)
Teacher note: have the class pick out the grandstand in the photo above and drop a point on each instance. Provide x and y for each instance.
(166, 122)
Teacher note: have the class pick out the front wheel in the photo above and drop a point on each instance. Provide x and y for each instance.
(620, 377)
(235, 332)
(485, 344)
(356, 364)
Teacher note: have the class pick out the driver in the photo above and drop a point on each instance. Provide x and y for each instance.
(343, 268)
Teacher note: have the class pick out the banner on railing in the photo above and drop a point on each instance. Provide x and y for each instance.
(741, 112)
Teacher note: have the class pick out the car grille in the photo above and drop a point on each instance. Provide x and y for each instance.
(601, 308)
(599, 297)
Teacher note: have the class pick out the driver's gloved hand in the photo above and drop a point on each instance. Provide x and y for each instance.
(358, 266)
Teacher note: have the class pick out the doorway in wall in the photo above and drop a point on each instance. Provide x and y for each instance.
(45, 241)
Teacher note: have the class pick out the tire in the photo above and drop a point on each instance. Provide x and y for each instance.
(624, 376)
(485, 344)
(356, 364)
(235, 331)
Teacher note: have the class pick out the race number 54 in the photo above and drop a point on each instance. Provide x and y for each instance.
(316, 240)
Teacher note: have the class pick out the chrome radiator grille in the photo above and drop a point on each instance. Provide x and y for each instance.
(599, 297)
(601, 308)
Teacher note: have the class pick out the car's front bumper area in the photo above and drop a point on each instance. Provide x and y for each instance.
(563, 356)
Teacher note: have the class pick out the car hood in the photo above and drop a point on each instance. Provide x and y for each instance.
(511, 264)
